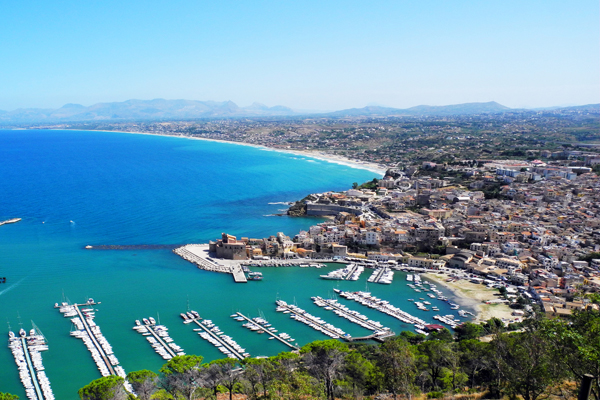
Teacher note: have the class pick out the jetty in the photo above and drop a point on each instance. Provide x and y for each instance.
(264, 327)
(383, 306)
(10, 221)
(158, 337)
(26, 351)
(350, 273)
(353, 316)
(225, 344)
(314, 322)
(383, 275)
(88, 331)
(198, 254)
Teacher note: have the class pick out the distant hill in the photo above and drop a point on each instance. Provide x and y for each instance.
(157, 109)
(161, 109)
(458, 109)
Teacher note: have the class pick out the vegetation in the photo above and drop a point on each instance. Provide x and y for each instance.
(544, 358)
(8, 396)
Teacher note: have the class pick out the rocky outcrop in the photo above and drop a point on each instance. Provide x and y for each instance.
(298, 209)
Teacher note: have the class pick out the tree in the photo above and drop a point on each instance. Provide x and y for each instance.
(431, 360)
(106, 388)
(575, 345)
(229, 375)
(259, 371)
(397, 363)
(354, 185)
(324, 360)
(8, 396)
(143, 383)
(474, 358)
(526, 365)
(358, 372)
(468, 331)
(182, 376)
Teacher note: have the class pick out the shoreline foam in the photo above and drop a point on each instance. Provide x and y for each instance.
(317, 155)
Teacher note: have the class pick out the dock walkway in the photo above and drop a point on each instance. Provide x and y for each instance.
(270, 333)
(314, 322)
(219, 340)
(352, 316)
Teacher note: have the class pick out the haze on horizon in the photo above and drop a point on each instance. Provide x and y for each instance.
(308, 55)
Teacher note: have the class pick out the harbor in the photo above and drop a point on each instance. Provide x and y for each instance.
(210, 332)
(158, 337)
(261, 325)
(316, 323)
(88, 331)
(26, 351)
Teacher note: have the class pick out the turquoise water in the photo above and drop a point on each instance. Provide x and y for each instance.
(74, 188)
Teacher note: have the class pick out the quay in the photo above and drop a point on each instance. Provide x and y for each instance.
(198, 254)
(273, 335)
(10, 221)
(314, 322)
(207, 327)
(353, 316)
(159, 332)
(26, 351)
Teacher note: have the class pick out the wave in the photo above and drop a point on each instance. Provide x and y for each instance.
(287, 203)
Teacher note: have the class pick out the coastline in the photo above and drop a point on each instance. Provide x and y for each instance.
(475, 296)
(317, 155)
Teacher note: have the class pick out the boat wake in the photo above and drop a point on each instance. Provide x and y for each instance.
(14, 285)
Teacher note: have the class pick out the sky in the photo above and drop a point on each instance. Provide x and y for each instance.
(308, 55)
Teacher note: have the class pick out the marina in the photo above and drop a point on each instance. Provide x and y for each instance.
(261, 325)
(88, 331)
(314, 322)
(383, 275)
(383, 306)
(225, 344)
(26, 351)
(158, 337)
(353, 316)
(350, 273)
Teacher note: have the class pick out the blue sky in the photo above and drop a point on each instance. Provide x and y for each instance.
(317, 55)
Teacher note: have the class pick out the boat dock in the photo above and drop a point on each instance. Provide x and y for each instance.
(26, 351)
(238, 274)
(159, 339)
(382, 306)
(90, 333)
(352, 316)
(225, 344)
(314, 322)
(266, 330)
(350, 273)
(381, 275)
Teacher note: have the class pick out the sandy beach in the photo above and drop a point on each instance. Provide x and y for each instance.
(377, 169)
(475, 295)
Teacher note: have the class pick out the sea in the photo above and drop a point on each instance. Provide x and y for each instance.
(78, 188)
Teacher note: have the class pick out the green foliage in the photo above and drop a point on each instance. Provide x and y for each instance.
(143, 383)
(105, 388)
(8, 396)
(435, 395)
(467, 331)
(590, 256)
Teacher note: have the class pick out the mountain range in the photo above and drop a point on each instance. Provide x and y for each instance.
(161, 109)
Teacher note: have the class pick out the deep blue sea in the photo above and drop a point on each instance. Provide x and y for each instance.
(78, 188)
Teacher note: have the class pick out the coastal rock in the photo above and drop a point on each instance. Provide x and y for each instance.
(298, 209)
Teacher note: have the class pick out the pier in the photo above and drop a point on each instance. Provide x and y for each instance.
(266, 330)
(314, 322)
(90, 333)
(353, 316)
(224, 343)
(350, 273)
(26, 350)
(381, 275)
(238, 274)
(161, 337)
(382, 306)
